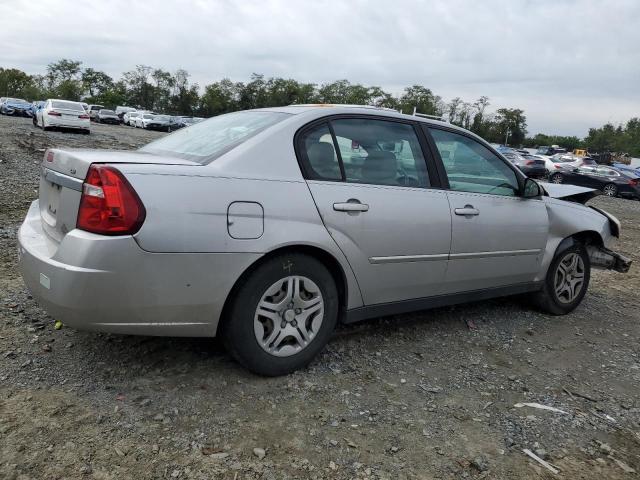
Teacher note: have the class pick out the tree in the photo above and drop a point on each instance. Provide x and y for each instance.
(16, 83)
(510, 126)
(140, 93)
(419, 98)
(95, 82)
(64, 79)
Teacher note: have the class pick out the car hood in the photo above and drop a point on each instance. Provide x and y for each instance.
(571, 193)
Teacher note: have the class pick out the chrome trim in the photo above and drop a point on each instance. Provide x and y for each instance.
(503, 253)
(62, 179)
(409, 258)
(453, 256)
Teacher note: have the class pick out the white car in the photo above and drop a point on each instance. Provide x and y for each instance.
(129, 117)
(63, 114)
(141, 121)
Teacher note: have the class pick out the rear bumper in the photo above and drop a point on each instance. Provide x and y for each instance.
(68, 123)
(92, 282)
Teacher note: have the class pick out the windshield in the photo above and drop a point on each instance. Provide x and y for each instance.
(66, 105)
(163, 118)
(205, 141)
(148, 116)
(107, 112)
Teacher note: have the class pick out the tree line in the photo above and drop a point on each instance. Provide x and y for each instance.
(174, 93)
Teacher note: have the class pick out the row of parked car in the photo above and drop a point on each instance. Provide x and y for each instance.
(556, 165)
(59, 113)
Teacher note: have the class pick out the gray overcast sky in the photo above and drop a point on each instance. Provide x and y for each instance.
(570, 64)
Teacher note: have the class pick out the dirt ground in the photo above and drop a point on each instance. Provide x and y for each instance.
(419, 396)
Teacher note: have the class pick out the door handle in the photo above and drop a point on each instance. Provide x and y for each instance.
(351, 205)
(467, 211)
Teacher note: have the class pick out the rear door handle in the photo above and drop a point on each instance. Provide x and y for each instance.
(468, 210)
(351, 206)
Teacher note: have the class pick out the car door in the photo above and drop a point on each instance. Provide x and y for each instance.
(498, 237)
(370, 181)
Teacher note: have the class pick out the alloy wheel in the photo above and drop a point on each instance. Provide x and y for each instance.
(569, 278)
(610, 190)
(288, 316)
(557, 178)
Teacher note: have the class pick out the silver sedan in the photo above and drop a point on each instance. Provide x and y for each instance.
(268, 227)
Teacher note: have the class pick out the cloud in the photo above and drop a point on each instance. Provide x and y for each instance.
(569, 64)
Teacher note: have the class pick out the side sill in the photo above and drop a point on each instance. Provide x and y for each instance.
(405, 306)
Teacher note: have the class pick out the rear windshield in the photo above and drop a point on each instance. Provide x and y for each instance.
(67, 105)
(205, 141)
(107, 112)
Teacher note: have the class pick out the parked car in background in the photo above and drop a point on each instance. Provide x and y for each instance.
(532, 167)
(93, 111)
(550, 151)
(107, 116)
(121, 111)
(35, 107)
(16, 106)
(141, 121)
(627, 168)
(63, 114)
(314, 215)
(164, 123)
(129, 117)
(610, 181)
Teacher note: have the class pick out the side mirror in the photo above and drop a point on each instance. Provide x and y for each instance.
(531, 189)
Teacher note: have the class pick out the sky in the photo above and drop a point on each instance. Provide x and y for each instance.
(570, 64)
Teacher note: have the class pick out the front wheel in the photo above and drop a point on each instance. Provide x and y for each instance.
(610, 190)
(282, 316)
(567, 281)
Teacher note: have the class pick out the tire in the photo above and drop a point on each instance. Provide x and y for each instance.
(610, 190)
(272, 342)
(34, 120)
(548, 299)
(556, 178)
(44, 128)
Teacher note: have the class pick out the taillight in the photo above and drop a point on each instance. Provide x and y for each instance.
(634, 182)
(109, 205)
(84, 117)
(530, 162)
(54, 114)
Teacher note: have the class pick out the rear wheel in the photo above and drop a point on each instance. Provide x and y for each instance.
(567, 281)
(556, 178)
(610, 190)
(282, 316)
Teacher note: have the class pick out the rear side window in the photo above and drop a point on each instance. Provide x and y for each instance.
(205, 141)
(362, 150)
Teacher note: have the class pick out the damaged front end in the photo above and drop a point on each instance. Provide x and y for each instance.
(602, 257)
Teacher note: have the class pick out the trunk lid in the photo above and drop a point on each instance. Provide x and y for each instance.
(63, 173)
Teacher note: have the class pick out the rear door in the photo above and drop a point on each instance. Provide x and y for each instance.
(374, 191)
(498, 237)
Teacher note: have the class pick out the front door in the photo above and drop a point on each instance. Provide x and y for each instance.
(372, 187)
(498, 237)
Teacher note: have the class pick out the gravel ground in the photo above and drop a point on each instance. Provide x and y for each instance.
(419, 396)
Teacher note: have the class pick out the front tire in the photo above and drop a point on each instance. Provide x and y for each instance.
(282, 316)
(566, 282)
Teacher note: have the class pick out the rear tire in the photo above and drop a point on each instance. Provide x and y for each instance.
(556, 178)
(282, 316)
(610, 190)
(566, 282)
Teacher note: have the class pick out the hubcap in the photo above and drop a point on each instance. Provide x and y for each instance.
(609, 190)
(569, 278)
(556, 179)
(288, 316)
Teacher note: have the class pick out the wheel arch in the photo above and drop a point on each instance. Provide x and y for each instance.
(326, 258)
(585, 237)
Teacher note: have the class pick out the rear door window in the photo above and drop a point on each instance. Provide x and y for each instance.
(362, 150)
